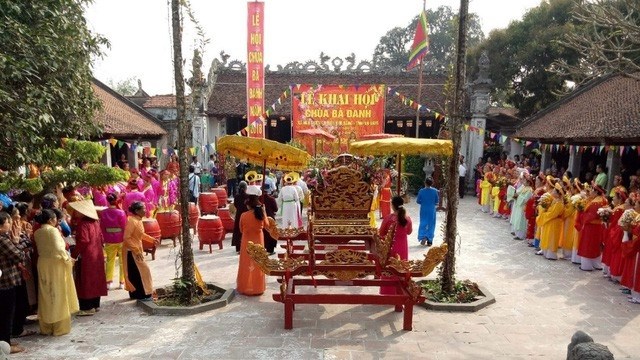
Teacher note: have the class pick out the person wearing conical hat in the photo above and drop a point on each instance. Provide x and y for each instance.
(520, 199)
(137, 274)
(569, 233)
(552, 223)
(530, 210)
(612, 252)
(591, 230)
(385, 195)
(90, 279)
(251, 177)
(289, 203)
(485, 192)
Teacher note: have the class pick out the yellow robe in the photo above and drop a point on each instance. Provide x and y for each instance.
(57, 298)
(552, 225)
(495, 194)
(485, 193)
(134, 235)
(569, 232)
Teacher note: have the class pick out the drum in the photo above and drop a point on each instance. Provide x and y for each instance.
(170, 223)
(210, 231)
(151, 228)
(222, 196)
(227, 220)
(208, 203)
(194, 214)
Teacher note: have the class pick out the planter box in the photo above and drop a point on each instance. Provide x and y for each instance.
(474, 306)
(151, 308)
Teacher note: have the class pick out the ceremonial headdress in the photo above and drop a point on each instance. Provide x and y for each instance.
(251, 176)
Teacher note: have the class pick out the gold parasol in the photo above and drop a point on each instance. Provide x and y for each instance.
(402, 146)
(266, 152)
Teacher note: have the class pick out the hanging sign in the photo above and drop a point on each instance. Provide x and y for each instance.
(255, 69)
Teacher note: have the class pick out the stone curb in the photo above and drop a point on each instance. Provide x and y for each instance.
(152, 309)
(468, 307)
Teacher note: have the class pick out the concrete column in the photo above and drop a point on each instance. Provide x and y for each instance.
(476, 148)
(613, 164)
(106, 157)
(516, 149)
(575, 159)
(545, 163)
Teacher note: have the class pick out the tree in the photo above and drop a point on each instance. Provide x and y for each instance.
(394, 46)
(45, 78)
(522, 54)
(447, 279)
(126, 87)
(188, 283)
(609, 40)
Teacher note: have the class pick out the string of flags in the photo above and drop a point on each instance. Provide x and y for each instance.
(596, 149)
(415, 105)
(268, 111)
(210, 148)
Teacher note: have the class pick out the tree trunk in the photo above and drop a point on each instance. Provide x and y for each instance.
(186, 252)
(448, 266)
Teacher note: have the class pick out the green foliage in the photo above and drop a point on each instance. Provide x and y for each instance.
(100, 174)
(84, 151)
(33, 186)
(93, 175)
(463, 292)
(393, 48)
(413, 165)
(126, 87)
(45, 78)
(76, 152)
(522, 54)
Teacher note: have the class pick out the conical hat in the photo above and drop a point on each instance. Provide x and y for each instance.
(85, 207)
(251, 176)
(292, 176)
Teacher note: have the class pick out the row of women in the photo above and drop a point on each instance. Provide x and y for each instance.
(53, 265)
(566, 219)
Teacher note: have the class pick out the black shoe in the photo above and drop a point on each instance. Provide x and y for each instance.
(429, 243)
(423, 242)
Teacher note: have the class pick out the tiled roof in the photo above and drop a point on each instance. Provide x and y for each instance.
(122, 118)
(605, 110)
(229, 95)
(160, 102)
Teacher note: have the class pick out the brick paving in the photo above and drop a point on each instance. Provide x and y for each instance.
(540, 304)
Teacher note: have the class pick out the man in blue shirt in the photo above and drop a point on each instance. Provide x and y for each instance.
(428, 200)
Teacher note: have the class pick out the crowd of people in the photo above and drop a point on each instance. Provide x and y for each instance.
(59, 254)
(568, 219)
(52, 260)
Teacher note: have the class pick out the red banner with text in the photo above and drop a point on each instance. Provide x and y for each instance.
(255, 69)
(345, 111)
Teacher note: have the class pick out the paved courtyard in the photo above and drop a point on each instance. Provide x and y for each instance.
(540, 304)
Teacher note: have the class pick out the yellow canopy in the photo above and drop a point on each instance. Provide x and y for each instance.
(277, 155)
(403, 146)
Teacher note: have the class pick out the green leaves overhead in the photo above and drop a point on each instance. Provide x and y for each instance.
(45, 78)
(393, 48)
(522, 54)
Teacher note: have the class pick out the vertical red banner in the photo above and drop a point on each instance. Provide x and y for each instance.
(255, 69)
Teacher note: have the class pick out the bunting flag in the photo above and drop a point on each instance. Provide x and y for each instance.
(414, 104)
(420, 45)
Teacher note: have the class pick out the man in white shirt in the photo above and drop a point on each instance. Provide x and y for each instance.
(197, 167)
(462, 172)
(269, 182)
(194, 185)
